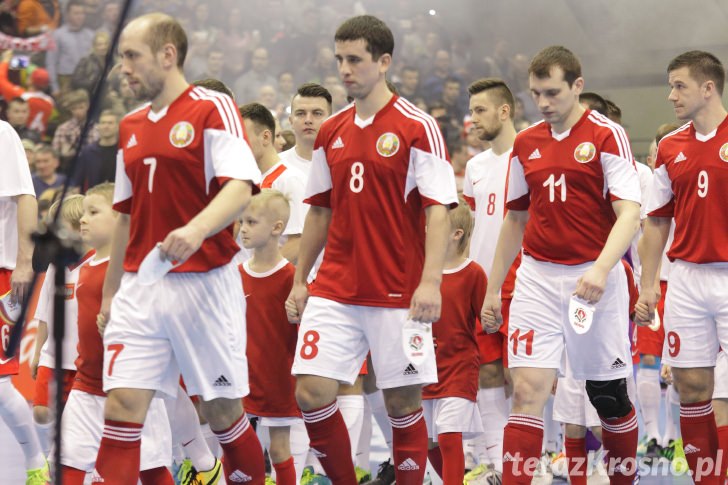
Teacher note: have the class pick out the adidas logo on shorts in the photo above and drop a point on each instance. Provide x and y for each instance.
(410, 370)
(618, 364)
(691, 449)
(96, 478)
(239, 477)
(408, 465)
(222, 381)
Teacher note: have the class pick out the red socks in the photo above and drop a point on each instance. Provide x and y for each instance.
(700, 440)
(72, 476)
(522, 439)
(409, 440)
(453, 458)
(156, 476)
(118, 459)
(243, 454)
(285, 472)
(619, 437)
(435, 457)
(576, 457)
(723, 447)
(330, 443)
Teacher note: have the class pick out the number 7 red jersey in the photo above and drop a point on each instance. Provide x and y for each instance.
(171, 164)
(377, 176)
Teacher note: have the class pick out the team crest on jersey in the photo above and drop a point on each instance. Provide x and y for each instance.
(724, 152)
(585, 152)
(182, 134)
(388, 144)
(580, 315)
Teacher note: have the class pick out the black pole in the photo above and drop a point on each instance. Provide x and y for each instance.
(56, 246)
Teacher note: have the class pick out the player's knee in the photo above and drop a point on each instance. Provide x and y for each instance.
(648, 361)
(221, 413)
(491, 375)
(402, 401)
(693, 385)
(128, 405)
(279, 453)
(574, 431)
(315, 392)
(42, 415)
(609, 398)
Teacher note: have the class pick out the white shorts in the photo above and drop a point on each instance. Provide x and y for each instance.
(334, 339)
(539, 322)
(452, 415)
(571, 402)
(83, 426)
(720, 390)
(188, 322)
(696, 314)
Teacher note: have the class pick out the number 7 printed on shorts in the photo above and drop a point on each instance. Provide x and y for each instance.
(116, 349)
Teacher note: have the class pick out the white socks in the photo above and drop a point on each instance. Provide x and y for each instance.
(650, 395)
(494, 410)
(352, 410)
(17, 415)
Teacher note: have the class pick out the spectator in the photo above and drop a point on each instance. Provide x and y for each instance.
(453, 101)
(318, 69)
(46, 167)
(94, 14)
(246, 88)
(41, 105)
(110, 18)
(68, 133)
(17, 114)
(29, 148)
(290, 138)
(435, 83)
(97, 161)
(89, 70)
(73, 40)
(286, 87)
(409, 85)
(214, 64)
(339, 98)
(37, 16)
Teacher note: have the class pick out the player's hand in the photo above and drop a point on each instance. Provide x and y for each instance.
(490, 315)
(644, 310)
(104, 314)
(182, 243)
(296, 302)
(20, 282)
(666, 373)
(426, 303)
(591, 285)
(101, 322)
(34, 367)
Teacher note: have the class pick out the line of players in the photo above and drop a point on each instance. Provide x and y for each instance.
(529, 179)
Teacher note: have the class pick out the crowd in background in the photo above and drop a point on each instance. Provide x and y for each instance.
(262, 49)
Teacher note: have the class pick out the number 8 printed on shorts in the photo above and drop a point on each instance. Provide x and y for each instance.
(309, 350)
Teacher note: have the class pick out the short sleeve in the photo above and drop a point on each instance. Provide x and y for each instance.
(122, 186)
(16, 179)
(45, 299)
(518, 197)
(294, 189)
(318, 189)
(660, 200)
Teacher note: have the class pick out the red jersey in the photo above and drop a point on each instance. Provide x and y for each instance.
(377, 176)
(567, 182)
(90, 361)
(40, 104)
(691, 184)
(271, 341)
(171, 164)
(456, 349)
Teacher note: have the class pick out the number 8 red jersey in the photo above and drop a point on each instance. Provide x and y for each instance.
(567, 182)
(377, 176)
(171, 164)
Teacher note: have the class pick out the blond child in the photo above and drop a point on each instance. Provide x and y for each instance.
(267, 281)
(450, 405)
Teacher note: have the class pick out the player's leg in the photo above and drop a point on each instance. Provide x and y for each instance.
(186, 431)
(18, 417)
(401, 381)
(156, 446)
(493, 405)
(280, 455)
(572, 407)
(650, 396)
(576, 454)
(692, 338)
(350, 400)
(331, 347)
(42, 413)
(601, 357)
(455, 418)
